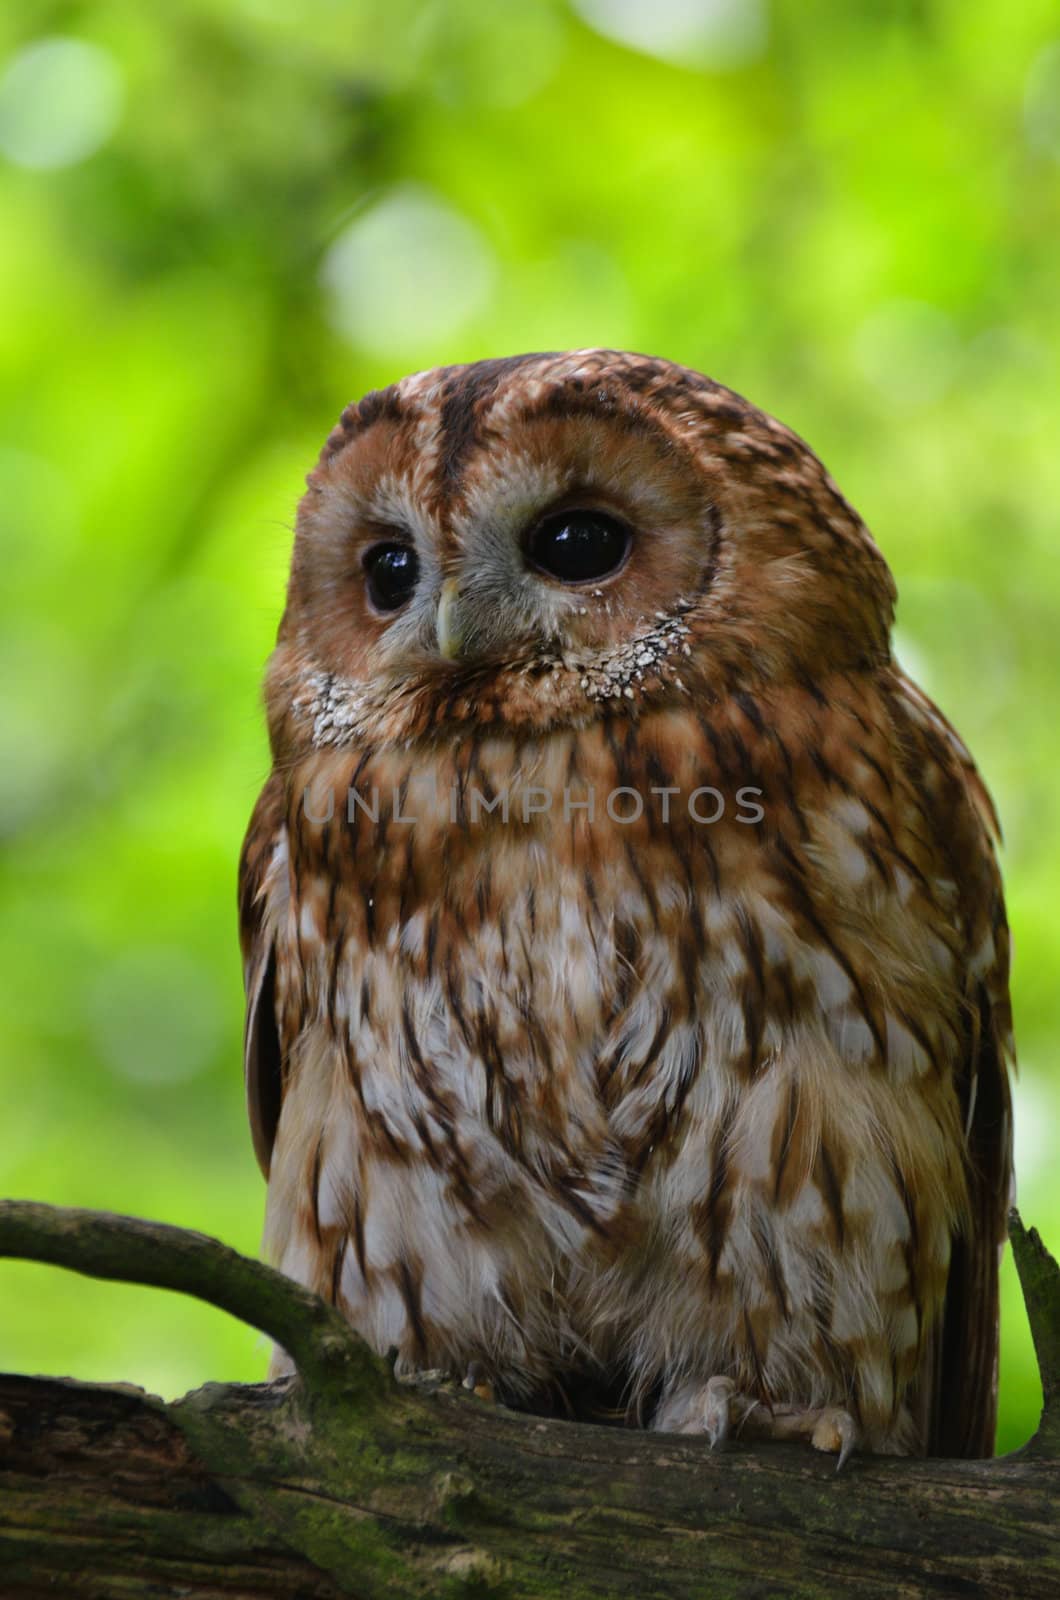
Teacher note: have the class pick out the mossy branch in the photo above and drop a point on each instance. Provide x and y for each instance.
(101, 1244)
(343, 1482)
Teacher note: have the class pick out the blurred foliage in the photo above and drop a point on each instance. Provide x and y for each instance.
(221, 219)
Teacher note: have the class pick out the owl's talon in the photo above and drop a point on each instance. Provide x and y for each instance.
(476, 1381)
(723, 1412)
(835, 1431)
(717, 1410)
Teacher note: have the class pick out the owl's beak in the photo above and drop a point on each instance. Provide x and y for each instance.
(447, 626)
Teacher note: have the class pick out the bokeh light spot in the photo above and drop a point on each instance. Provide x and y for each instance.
(406, 274)
(1031, 1124)
(60, 101)
(715, 33)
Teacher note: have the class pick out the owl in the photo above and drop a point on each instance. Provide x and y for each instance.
(626, 962)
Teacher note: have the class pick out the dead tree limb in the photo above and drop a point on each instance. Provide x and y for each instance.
(343, 1482)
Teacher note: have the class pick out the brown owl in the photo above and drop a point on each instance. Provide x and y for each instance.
(626, 961)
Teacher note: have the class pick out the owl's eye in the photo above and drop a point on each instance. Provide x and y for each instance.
(577, 546)
(391, 571)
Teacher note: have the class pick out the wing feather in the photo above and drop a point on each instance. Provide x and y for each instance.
(957, 1398)
(263, 897)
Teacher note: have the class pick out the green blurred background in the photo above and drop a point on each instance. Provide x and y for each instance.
(222, 219)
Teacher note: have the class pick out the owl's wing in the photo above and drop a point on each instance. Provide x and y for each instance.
(263, 892)
(963, 1413)
(958, 1389)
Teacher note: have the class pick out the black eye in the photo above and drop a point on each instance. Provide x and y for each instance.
(391, 571)
(577, 546)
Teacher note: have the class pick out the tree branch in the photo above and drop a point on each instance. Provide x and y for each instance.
(101, 1244)
(1040, 1281)
(300, 1488)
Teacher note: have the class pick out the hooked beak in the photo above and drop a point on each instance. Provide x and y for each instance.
(447, 625)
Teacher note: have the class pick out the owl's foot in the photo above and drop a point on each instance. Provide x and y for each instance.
(829, 1428)
(474, 1378)
(726, 1411)
(718, 1409)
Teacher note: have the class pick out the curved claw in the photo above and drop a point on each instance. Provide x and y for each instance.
(717, 1410)
(836, 1432)
(477, 1382)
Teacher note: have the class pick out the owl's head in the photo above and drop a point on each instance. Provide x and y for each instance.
(536, 541)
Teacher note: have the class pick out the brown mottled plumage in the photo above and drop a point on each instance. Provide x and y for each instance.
(707, 1120)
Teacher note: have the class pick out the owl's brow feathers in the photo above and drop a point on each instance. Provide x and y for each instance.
(592, 383)
(680, 408)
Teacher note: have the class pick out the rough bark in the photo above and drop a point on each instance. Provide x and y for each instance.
(343, 1482)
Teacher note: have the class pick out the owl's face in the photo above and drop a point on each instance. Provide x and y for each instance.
(536, 541)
